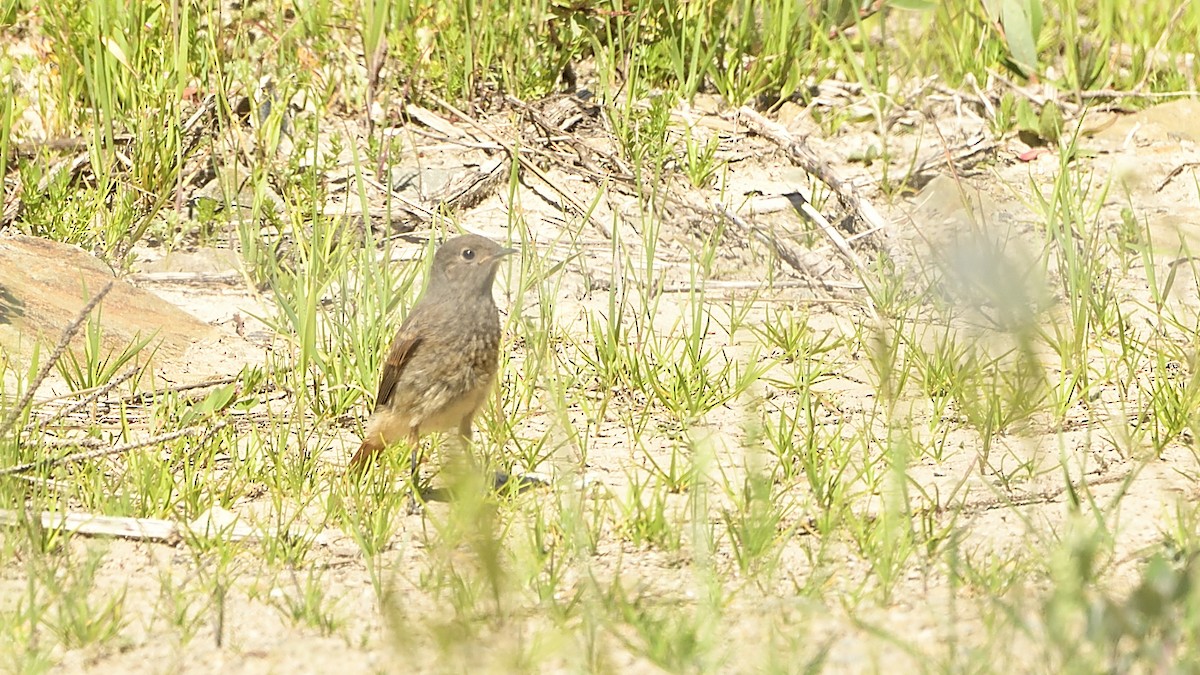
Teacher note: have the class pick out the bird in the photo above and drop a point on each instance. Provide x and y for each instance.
(443, 361)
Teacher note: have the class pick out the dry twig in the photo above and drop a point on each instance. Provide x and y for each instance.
(89, 396)
(802, 156)
(197, 430)
(68, 333)
(529, 166)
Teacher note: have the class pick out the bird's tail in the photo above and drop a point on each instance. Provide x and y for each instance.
(365, 455)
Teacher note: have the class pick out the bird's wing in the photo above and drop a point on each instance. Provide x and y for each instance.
(403, 346)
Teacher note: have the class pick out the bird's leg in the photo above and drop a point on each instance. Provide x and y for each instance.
(499, 477)
(464, 441)
(415, 506)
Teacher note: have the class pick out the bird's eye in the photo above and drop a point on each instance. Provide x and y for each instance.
(468, 254)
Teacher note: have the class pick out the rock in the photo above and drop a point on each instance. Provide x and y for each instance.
(1173, 122)
(203, 260)
(44, 285)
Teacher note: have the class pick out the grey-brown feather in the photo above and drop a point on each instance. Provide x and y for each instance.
(443, 360)
(424, 377)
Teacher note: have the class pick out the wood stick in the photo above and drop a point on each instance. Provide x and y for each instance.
(140, 529)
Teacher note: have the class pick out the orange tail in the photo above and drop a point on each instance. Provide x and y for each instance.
(365, 455)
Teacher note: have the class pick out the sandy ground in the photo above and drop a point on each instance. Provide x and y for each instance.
(1135, 157)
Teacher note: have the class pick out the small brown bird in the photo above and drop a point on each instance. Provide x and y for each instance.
(443, 360)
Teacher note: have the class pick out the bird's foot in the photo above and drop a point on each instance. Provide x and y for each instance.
(520, 482)
(415, 507)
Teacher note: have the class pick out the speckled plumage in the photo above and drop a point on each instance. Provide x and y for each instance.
(442, 362)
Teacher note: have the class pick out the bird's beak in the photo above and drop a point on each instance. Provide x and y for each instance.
(504, 252)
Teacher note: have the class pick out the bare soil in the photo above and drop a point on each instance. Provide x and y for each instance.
(1147, 159)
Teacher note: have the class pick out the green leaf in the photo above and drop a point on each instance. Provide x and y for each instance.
(1050, 123)
(1027, 119)
(217, 400)
(1022, 21)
